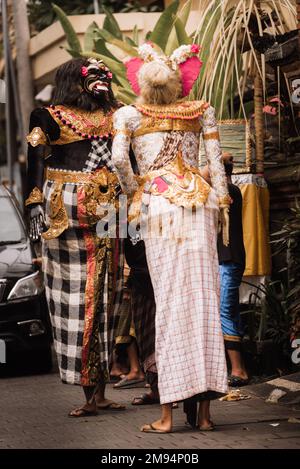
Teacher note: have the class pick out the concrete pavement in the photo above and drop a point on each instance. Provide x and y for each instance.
(34, 415)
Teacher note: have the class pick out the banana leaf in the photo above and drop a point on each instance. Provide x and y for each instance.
(182, 36)
(130, 41)
(101, 48)
(74, 53)
(164, 25)
(183, 15)
(135, 35)
(118, 43)
(71, 34)
(89, 36)
(126, 96)
(111, 25)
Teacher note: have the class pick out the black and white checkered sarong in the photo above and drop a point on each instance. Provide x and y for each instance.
(98, 156)
(83, 280)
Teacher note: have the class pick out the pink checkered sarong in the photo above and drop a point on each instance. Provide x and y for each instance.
(184, 271)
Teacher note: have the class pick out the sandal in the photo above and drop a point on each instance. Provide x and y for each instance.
(82, 412)
(115, 378)
(237, 382)
(205, 428)
(145, 399)
(148, 428)
(126, 382)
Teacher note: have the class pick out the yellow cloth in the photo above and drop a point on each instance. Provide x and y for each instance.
(256, 203)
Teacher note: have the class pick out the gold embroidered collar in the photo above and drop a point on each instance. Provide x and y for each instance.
(186, 110)
(76, 124)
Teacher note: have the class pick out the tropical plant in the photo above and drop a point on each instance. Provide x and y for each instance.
(287, 240)
(273, 306)
(112, 46)
(227, 32)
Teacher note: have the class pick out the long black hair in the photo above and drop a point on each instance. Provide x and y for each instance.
(69, 92)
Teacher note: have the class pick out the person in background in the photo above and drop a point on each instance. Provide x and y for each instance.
(232, 266)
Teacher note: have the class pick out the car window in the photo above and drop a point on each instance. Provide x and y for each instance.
(11, 229)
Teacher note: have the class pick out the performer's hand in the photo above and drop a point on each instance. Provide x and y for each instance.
(224, 215)
(37, 222)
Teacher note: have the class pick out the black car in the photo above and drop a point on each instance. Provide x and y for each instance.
(25, 331)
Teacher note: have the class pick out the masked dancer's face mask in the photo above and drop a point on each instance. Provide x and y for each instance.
(96, 78)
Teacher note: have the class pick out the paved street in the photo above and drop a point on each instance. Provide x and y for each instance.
(34, 415)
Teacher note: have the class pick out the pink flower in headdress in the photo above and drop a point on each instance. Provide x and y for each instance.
(109, 75)
(84, 71)
(195, 48)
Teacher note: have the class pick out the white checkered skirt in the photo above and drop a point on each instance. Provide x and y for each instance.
(189, 346)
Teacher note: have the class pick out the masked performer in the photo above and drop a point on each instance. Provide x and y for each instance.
(179, 221)
(77, 263)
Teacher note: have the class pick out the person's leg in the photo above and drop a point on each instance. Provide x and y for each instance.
(231, 275)
(237, 365)
(204, 421)
(100, 399)
(151, 397)
(89, 408)
(118, 369)
(164, 424)
(135, 371)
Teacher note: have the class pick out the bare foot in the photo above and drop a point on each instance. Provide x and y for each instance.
(159, 426)
(118, 372)
(107, 404)
(84, 411)
(135, 375)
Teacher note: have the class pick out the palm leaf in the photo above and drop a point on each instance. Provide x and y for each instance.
(135, 35)
(111, 25)
(173, 41)
(71, 34)
(164, 25)
(129, 50)
(89, 36)
(181, 33)
(100, 48)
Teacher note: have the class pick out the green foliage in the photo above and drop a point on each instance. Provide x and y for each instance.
(110, 45)
(226, 35)
(287, 240)
(71, 35)
(164, 25)
(274, 305)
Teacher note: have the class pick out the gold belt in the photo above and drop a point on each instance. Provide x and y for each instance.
(186, 187)
(99, 177)
(100, 186)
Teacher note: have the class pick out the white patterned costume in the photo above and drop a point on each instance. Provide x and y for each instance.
(189, 345)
